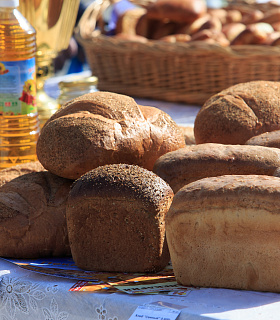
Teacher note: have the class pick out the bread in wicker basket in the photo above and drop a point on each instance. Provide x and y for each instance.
(188, 72)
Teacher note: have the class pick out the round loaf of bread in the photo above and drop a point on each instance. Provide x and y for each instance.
(10, 173)
(195, 162)
(238, 113)
(104, 128)
(116, 219)
(225, 231)
(267, 139)
(33, 216)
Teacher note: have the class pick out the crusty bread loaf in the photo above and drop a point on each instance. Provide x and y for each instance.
(238, 113)
(195, 162)
(115, 219)
(225, 231)
(10, 173)
(267, 139)
(32, 216)
(104, 128)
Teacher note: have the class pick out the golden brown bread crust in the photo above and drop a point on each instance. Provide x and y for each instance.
(195, 162)
(188, 134)
(256, 33)
(32, 216)
(115, 219)
(10, 173)
(224, 232)
(182, 11)
(105, 128)
(267, 139)
(238, 113)
(128, 21)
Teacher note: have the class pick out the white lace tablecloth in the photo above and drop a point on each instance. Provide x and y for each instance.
(26, 294)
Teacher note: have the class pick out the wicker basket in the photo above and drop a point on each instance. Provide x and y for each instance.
(181, 72)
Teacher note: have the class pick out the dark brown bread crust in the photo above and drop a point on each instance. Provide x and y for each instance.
(224, 232)
(32, 216)
(10, 173)
(195, 162)
(238, 113)
(115, 219)
(267, 139)
(105, 128)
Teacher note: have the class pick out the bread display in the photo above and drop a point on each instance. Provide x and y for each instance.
(195, 162)
(239, 113)
(267, 139)
(32, 215)
(224, 232)
(116, 219)
(10, 173)
(104, 128)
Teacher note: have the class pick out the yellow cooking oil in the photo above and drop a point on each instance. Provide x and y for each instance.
(19, 122)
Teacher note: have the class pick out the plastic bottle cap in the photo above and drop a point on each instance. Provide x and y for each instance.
(9, 3)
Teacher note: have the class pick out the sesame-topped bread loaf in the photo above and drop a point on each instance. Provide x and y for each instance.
(225, 232)
(33, 216)
(194, 162)
(105, 128)
(116, 219)
(238, 113)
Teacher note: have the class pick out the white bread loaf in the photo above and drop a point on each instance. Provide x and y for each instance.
(225, 232)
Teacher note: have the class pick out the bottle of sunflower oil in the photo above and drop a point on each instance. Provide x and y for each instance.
(19, 122)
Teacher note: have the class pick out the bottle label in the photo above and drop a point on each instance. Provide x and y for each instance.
(18, 87)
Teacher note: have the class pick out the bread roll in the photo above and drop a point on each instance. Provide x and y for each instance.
(238, 113)
(10, 173)
(232, 30)
(104, 128)
(32, 216)
(188, 135)
(267, 139)
(116, 220)
(182, 11)
(211, 36)
(219, 13)
(253, 34)
(225, 231)
(127, 22)
(173, 38)
(252, 16)
(195, 162)
(271, 16)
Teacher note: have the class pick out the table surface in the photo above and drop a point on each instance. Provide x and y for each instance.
(26, 294)
(29, 291)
